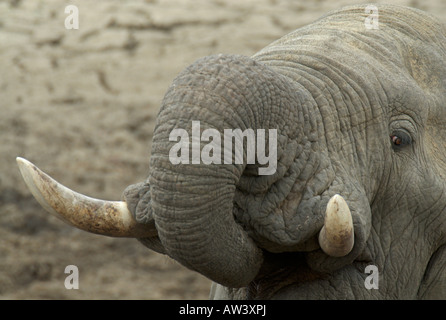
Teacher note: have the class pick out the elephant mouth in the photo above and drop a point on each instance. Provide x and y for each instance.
(281, 270)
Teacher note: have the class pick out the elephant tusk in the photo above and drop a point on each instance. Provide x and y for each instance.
(110, 218)
(336, 237)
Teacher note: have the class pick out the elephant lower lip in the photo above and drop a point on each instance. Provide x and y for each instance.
(280, 270)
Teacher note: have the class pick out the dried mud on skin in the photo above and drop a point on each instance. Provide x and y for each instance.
(81, 104)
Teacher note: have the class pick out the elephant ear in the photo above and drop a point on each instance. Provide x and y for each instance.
(433, 285)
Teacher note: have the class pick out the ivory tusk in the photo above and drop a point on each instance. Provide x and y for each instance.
(336, 237)
(110, 218)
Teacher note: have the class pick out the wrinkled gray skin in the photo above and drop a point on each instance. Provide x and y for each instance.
(336, 92)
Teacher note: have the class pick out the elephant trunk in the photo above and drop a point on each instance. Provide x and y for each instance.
(196, 179)
(193, 201)
(199, 231)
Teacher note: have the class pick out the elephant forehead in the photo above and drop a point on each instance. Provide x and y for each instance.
(405, 40)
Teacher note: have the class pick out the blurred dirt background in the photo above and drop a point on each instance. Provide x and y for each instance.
(81, 104)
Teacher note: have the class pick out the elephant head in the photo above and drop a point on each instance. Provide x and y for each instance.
(352, 119)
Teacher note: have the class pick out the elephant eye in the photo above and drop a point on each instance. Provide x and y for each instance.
(396, 140)
(400, 139)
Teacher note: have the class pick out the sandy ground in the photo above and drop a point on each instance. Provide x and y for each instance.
(81, 104)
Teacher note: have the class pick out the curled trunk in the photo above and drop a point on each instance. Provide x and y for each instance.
(207, 216)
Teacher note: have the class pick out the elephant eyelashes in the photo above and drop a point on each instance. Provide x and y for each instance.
(400, 139)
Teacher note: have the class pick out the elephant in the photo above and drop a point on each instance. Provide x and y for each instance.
(353, 205)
